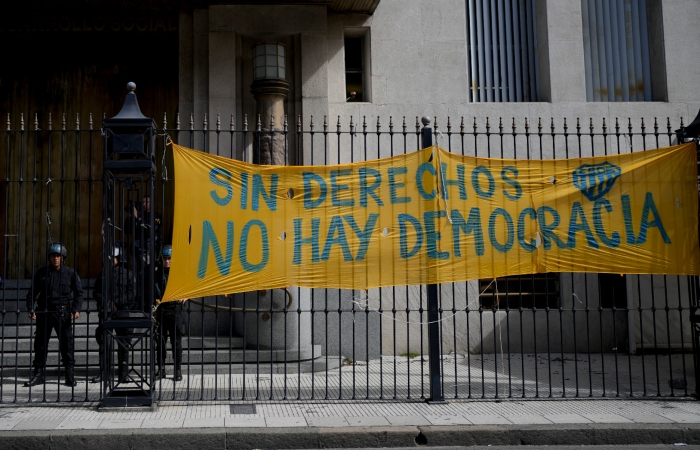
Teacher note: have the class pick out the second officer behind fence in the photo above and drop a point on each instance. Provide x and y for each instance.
(55, 298)
(170, 320)
(122, 299)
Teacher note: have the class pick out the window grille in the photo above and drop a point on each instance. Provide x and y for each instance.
(539, 291)
(502, 47)
(616, 50)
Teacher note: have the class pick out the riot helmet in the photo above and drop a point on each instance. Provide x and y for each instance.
(57, 248)
(167, 251)
(117, 251)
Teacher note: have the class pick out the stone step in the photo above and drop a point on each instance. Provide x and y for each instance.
(23, 345)
(54, 373)
(24, 331)
(194, 356)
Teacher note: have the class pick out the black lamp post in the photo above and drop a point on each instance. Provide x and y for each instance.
(129, 172)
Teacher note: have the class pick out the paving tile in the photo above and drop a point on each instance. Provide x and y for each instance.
(487, 419)
(530, 419)
(210, 422)
(239, 422)
(327, 421)
(646, 418)
(447, 420)
(367, 421)
(162, 423)
(408, 420)
(606, 418)
(681, 417)
(110, 424)
(8, 424)
(566, 418)
(72, 424)
(286, 422)
(37, 424)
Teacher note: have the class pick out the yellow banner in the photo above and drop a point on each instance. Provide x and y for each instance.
(428, 217)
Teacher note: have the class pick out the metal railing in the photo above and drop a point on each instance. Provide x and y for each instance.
(548, 335)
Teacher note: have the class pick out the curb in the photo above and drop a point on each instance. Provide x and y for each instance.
(344, 437)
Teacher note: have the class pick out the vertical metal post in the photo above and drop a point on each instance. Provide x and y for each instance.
(433, 316)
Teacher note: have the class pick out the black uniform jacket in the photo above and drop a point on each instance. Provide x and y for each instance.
(53, 289)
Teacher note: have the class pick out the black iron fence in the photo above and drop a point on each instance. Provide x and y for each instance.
(544, 335)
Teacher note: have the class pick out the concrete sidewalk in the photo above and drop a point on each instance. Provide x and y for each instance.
(332, 424)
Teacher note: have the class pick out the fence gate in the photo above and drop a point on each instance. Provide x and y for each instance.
(546, 335)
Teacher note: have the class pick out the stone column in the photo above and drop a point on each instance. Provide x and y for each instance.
(270, 95)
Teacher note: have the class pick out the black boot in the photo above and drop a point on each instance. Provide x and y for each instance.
(160, 373)
(122, 374)
(98, 378)
(178, 373)
(37, 378)
(70, 376)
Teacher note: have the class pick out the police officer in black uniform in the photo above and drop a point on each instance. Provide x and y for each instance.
(57, 294)
(122, 299)
(170, 320)
(138, 226)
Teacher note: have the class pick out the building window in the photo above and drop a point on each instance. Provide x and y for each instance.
(617, 52)
(613, 290)
(502, 46)
(357, 65)
(539, 291)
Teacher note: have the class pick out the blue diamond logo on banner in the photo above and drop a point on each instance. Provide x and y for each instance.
(595, 180)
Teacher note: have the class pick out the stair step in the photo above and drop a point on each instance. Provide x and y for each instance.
(194, 356)
(81, 343)
(54, 373)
